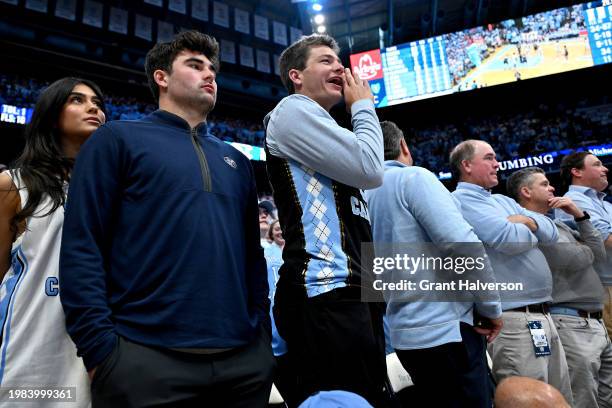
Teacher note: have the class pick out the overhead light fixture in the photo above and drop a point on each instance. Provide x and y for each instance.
(319, 19)
(321, 29)
(317, 7)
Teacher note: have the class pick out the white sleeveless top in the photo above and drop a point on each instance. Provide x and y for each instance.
(35, 349)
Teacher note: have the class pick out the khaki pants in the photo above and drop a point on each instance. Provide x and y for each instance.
(513, 353)
(607, 311)
(589, 356)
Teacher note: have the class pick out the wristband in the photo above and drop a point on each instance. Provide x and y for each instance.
(585, 217)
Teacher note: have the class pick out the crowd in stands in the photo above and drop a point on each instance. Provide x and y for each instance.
(23, 93)
(548, 128)
(556, 23)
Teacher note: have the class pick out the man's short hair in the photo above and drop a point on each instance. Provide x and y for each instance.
(520, 179)
(573, 160)
(392, 136)
(162, 55)
(296, 55)
(463, 151)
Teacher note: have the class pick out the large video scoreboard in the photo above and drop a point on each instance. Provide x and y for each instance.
(599, 23)
(405, 72)
(542, 44)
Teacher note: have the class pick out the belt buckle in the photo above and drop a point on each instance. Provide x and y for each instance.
(594, 315)
(538, 308)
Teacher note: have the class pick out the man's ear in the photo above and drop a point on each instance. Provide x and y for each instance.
(576, 172)
(161, 78)
(406, 151)
(295, 76)
(525, 192)
(404, 147)
(467, 166)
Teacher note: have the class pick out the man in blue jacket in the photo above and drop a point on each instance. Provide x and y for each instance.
(164, 307)
(434, 340)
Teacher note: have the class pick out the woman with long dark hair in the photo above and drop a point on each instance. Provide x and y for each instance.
(35, 350)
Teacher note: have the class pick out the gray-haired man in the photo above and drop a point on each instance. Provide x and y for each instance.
(528, 344)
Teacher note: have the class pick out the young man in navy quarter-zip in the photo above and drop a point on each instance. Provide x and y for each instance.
(165, 310)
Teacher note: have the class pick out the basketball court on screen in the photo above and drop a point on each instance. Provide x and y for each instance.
(545, 58)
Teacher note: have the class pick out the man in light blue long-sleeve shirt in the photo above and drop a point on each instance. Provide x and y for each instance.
(317, 169)
(587, 178)
(431, 338)
(528, 345)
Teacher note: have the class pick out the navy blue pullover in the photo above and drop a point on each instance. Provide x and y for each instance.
(161, 241)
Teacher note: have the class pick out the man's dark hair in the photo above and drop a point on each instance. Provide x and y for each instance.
(573, 160)
(392, 135)
(296, 55)
(162, 55)
(463, 151)
(520, 179)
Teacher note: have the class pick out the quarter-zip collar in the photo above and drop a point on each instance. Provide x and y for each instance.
(164, 117)
(473, 187)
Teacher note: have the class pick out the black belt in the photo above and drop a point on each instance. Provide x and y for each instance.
(536, 308)
(590, 315)
(570, 311)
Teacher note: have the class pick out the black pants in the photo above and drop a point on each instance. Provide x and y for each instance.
(140, 376)
(336, 342)
(285, 380)
(451, 375)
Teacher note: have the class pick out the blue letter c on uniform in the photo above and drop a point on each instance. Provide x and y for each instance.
(52, 286)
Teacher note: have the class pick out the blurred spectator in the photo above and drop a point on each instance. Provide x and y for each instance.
(523, 392)
(266, 217)
(275, 237)
(335, 399)
(285, 377)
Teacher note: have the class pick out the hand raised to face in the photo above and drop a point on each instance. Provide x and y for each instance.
(355, 89)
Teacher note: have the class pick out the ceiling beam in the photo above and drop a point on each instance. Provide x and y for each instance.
(434, 15)
(349, 26)
(390, 24)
